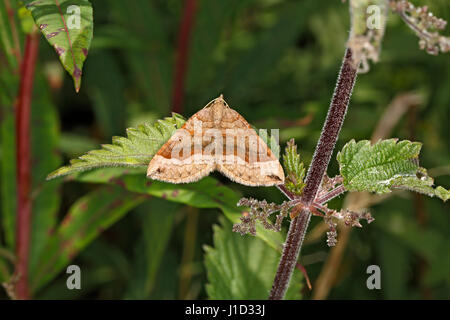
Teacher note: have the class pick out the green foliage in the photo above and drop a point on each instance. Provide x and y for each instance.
(430, 243)
(86, 219)
(394, 257)
(6, 261)
(385, 165)
(294, 169)
(421, 183)
(68, 26)
(280, 35)
(275, 61)
(106, 91)
(26, 20)
(206, 193)
(8, 160)
(6, 37)
(46, 195)
(157, 218)
(134, 151)
(243, 267)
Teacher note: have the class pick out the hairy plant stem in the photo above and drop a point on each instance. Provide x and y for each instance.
(184, 37)
(331, 195)
(317, 169)
(23, 159)
(359, 200)
(286, 192)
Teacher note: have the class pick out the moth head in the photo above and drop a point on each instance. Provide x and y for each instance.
(218, 107)
(221, 100)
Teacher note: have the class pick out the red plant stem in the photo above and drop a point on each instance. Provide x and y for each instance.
(305, 274)
(23, 160)
(184, 37)
(317, 169)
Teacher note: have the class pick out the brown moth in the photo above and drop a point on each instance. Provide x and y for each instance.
(216, 138)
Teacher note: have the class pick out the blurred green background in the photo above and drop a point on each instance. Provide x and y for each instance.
(276, 62)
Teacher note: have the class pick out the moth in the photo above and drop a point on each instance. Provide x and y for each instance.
(216, 138)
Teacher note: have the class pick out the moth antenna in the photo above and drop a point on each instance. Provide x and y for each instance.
(223, 100)
(209, 103)
(214, 100)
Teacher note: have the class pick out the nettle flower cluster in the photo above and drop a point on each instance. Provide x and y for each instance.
(294, 184)
(424, 24)
(380, 168)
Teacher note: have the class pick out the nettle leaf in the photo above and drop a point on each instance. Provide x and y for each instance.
(421, 183)
(205, 193)
(136, 150)
(294, 169)
(68, 27)
(386, 165)
(243, 268)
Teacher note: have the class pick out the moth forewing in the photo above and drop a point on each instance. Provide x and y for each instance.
(216, 137)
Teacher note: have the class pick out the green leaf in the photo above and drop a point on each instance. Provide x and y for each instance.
(6, 37)
(429, 243)
(26, 20)
(421, 183)
(385, 165)
(68, 27)
(86, 219)
(243, 267)
(156, 218)
(395, 257)
(45, 157)
(8, 185)
(294, 169)
(206, 193)
(442, 193)
(134, 151)
(7, 261)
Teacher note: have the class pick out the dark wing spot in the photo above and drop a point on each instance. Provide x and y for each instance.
(272, 176)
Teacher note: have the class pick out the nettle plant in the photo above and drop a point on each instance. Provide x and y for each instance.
(379, 167)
